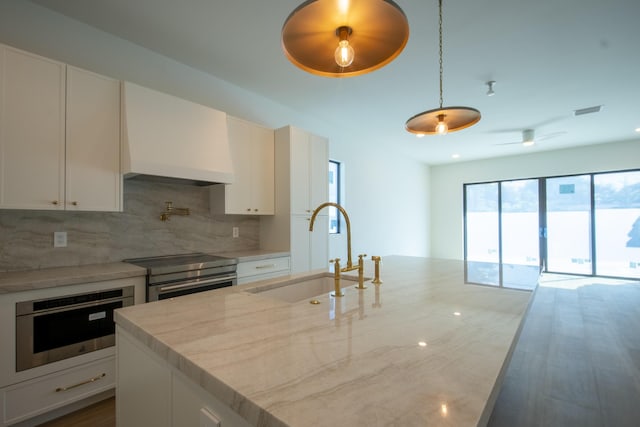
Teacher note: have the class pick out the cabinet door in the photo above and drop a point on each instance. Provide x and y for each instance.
(262, 187)
(300, 243)
(300, 172)
(318, 171)
(93, 179)
(238, 195)
(319, 243)
(32, 131)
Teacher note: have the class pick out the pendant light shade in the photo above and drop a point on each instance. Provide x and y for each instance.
(455, 118)
(443, 120)
(344, 38)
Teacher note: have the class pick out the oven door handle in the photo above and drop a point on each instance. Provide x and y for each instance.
(196, 284)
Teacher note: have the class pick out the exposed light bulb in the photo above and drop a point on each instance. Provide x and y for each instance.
(344, 54)
(441, 127)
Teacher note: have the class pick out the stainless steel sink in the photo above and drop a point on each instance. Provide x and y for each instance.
(304, 288)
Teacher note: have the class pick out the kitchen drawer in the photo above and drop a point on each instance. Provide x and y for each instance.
(263, 267)
(30, 398)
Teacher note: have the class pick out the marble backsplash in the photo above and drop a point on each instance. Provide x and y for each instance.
(26, 237)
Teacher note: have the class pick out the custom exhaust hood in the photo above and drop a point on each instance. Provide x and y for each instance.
(165, 137)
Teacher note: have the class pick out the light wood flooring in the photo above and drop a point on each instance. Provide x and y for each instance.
(577, 362)
(101, 414)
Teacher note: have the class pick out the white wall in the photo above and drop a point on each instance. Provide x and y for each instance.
(387, 199)
(446, 182)
(387, 195)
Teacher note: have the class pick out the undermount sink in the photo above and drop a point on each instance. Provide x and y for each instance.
(304, 287)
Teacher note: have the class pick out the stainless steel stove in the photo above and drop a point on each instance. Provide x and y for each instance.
(175, 275)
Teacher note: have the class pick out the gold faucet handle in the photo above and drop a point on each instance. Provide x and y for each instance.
(336, 263)
(361, 256)
(376, 280)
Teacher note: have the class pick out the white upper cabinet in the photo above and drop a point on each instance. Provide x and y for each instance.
(59, 136)
(32, 131)
(252, 153)
(309, 171)
(93, 179)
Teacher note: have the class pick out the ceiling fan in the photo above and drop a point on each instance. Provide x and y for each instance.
(529, 138)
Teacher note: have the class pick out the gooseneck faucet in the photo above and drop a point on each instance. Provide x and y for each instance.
(349, 267)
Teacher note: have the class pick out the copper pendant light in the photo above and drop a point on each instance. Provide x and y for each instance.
(441, 120)
(344, 38)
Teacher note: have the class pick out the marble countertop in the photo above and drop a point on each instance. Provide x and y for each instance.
(19, 281)
(423, 348)
(254, 254)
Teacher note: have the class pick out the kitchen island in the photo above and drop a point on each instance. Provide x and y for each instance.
(423, 348)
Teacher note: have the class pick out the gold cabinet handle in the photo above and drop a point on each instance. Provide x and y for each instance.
(55, 202)
(89, 381)
(74, 203)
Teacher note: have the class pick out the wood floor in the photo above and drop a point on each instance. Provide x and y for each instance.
(577, 362)
(101, 414)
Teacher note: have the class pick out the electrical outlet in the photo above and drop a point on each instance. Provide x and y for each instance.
(60, 239)
(236, 232)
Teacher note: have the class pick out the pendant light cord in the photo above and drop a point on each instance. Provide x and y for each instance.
(440, 34)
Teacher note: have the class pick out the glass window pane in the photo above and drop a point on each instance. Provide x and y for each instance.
(482, 222)
(617, 224)
(334, 196)
(569, 224)
(520, 225)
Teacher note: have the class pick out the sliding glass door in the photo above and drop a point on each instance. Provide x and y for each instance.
(583, 224)
(617, 224)
(501, 225)
(568, 218)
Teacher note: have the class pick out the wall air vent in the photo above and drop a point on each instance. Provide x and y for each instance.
(588, 110)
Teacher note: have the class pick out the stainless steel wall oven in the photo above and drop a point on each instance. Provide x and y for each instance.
(48, 330)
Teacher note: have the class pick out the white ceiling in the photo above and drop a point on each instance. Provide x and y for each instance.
(548, 57)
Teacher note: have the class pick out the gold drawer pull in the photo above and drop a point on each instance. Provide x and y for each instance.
(266, 266)
(90, 380)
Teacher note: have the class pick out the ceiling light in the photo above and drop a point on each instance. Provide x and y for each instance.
(491, 92)
(442, 120)
(528, 137)
(455, 156)
(344, 38)
(637, 129)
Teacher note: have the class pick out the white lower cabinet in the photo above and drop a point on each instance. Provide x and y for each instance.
(143, 386)
(150, 392)
(268, 268)
(28, 399)
(309, 249)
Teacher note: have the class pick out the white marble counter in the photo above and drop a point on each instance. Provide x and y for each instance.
(423, 348)
(254, 254)
(19, 281)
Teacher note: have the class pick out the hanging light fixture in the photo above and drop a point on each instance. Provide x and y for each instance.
(444, 119)
(344, 38)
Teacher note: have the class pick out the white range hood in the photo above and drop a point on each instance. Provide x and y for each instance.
(168, 137)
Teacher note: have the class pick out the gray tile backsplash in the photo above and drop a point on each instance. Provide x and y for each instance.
(26, 237)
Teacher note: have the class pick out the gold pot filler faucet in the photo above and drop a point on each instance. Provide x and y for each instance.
(336, 262)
